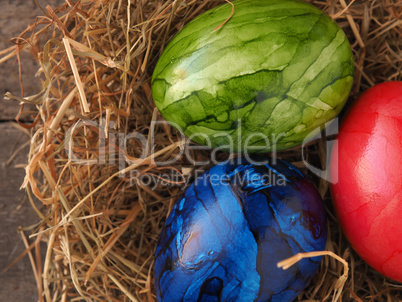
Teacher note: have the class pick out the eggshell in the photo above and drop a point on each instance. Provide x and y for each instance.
(267, 79)
(227, 232)
(366, 170)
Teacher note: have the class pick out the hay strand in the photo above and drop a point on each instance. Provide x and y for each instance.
(78, 82)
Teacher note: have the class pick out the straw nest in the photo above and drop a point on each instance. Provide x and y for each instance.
(99, 218)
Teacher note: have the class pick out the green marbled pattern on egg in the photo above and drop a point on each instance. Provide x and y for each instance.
(267, 79)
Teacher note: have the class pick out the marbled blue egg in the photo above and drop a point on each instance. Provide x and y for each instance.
(227, 232)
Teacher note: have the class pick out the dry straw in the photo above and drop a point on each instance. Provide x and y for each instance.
(99, 223)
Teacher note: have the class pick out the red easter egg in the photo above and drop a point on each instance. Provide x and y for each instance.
(366, 176)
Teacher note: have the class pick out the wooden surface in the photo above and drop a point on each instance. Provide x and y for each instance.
(17, 284)
(15, 16)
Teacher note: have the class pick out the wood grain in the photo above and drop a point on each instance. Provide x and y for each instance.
(17, 284)
(15, 16)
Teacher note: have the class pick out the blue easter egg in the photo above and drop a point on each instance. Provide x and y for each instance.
(227, 232)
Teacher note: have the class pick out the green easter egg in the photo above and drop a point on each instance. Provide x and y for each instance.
(264, 81)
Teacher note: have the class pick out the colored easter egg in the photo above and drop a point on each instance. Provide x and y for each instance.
(366, 171)
(227, 232)
(269, 77)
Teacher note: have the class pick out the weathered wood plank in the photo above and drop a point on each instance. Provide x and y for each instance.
(18, 284)
(15, 16)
